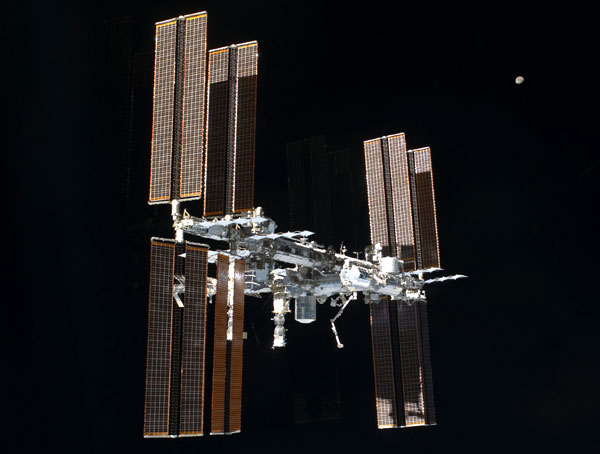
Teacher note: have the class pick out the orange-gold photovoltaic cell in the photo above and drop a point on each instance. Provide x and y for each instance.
(402, 210)
(194, 332)
(194, 102)
(217, 131)
(381, 342)
(220, 347)
(158, 365)
(378, 218)
(245, 128)
(237, 346)
(425, 198)
(162, 114)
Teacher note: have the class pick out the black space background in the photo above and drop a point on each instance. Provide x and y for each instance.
(514, 347)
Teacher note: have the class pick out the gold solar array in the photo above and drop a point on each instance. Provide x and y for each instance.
(203, 146)
(402, 209)
(194, 103)
(219, 376)
(237, 347)
(378, 218)
(193, 344)
(403, 220)
(228, 347)
(162, 114)
(158, 358)
(175, 369)
(178, 118)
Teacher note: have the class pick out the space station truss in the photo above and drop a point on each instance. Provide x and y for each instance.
(228, 347)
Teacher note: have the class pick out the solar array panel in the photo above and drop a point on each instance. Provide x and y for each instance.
(402, 209)
(402, 219)
(230, 147)
(176, 344)
(402, 364)
(163, 111)
(220, 347)
(203, 131)
(411, 366)
(217, 137)
(427, 375)
(378, 218)
(424, 198)
(416, 365)
(158, 365)
(178, 123)
(176, 340)
(193, 343)
(401, 196)
(247, 72)
(194, 102)
(381, 342)
(237, 346)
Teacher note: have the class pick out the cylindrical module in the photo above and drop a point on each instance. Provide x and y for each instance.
(306, 309)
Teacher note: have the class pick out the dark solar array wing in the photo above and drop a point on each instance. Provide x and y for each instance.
(378, 217)
(383, 365)
(237, 346)
(400, 193)
(245, 126)
(426, 364)
(231, 130)
(423, 198)
(193, 342)
(417, 387)
(219, 377)
(163, 111)
(158, 366)
(217, 132)
(193, 108)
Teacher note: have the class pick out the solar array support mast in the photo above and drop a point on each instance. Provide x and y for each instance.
(203, 147)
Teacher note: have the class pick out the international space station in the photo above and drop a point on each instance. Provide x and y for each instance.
(203, 148)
